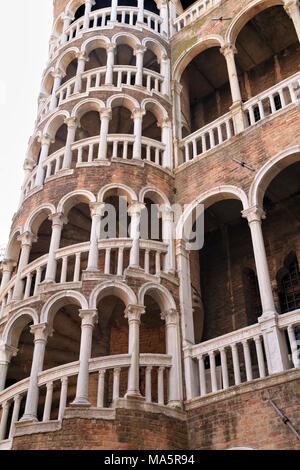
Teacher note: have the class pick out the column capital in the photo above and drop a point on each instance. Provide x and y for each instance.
(58, 219)
(136, 208)
(71, 122)
(45, 139)
(81, 55)
(27, 238)
(138, 113)
(6, 353)
(89, 317)
(67, 16)
(254, 214)
(111, 47)
(92, 2)
(165, 123)
(228, 49)
(58, 73)
(176, 87)
(164, 57)
(134, 312)
(167, 212)
(41, 332)
(8, 264)
(139, 49)
(29, 164)
(170, 316)
(97, 209)
(105, 113)
(291, 7)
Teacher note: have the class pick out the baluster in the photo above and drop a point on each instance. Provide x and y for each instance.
(160, 385)
(224, 368)
(204, 148)
(187, 152)
(272, 102)
(236, 364)
(148, 384)
(116, 384)
(79, 155)
(15, 415)
(220, 137)
(292, 93)
(119, 81)
(148, 85)
(148, 153)
(247, 357)
(194, 142)
(90, 154)
(147, 261)
(98, 77)
(283, 103)
(157, 152)
(28, 286)
(157, 263)
(100, 392)
(149, 21)
(212, 138)
(63, 398)
(260, 357)
(88, 83)
(294, 346)
(123, 17)
(48, 172)
(120, 261)
(228, 129)
(125, 149)
(213, 375)
(115, 149)
(107, 261)
(251, 115)
(261, 110)
(9, 296)
(131, 18)
(128, 81)
(3, 423)
(48, 401)
(57, 165)
(77, 268)
(156, 85)
(63, 277)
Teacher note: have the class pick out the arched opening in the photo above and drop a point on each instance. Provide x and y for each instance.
(252, 296)
(60, 139)
(101, 4)
(150, 60)
(150, 5)
(97, 57)
(125, 55)
(206, 93)
(267, 53)
(79, 13)
(89, 125)
(288, 280)
(71, 70)
(120, 123)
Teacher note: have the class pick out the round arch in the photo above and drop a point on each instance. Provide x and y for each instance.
(13, 247)
(73, 6)
(159, 293)
(123, 100)
(60, 300)
(188, 55)
(118, 289)
(87, 105)
(121, 189)
(37, 217)
(56, 121)
(154, 46)
(16, 324)
(208, 198)
(156, 108)
(155, 194)
(93, 43)
(66, 58)
(268, 172)
(128, 38)
(73, 198)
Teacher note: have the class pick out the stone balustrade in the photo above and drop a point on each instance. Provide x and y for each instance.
(194, 12)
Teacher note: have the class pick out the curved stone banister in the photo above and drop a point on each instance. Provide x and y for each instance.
(194, 12)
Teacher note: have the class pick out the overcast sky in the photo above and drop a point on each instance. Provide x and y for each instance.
(24, 38)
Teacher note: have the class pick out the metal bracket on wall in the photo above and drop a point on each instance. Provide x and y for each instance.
(285, 419)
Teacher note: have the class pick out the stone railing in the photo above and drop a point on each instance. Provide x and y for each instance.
(194, 12)
(207, 137)
(289, 322)
(272, 100)
(57, 387)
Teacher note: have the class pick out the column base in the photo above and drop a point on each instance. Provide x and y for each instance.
(134, 395)
(28, 418)
(175, 404)
(80, 403)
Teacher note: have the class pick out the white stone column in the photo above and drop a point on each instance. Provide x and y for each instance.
(45, 141)
(164, 14)
(97, 211)
(111, 50)
(165, 71)
(173, 349)
(41, 333)
(7, 268)
(166, 138)
(137, 116)
(57, 75)
(67, 21)
(89, 319)
(15, 415)
(6, 353)
(58, 221)
(140, 17)
(273, 338)
(238, 116)
(139, 54)
(176, 90)
(81, 61)
(72, 126)
(113, 14)
(133, 314)
(292, 9)
(105, 115)
(135, 213)
(87, 11)
(26, 240)
(168, 237)
(28, 166)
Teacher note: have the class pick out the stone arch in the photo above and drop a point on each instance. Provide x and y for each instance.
(55, 122)
(13, 246)
(159, 293)
(16, 324)
(123, 100)
(88, 45)
(119, 289)
(156, 108)
(87, 105)
(47, 82)
(128, 38)
(73, 6)
(37, 217)
(154, 45)
(188, 55)
(73, 198)
(251, 10)
(268, 172)
(66, 58)
(155, 194)
(208, 198)
(122, 190)
(58, 301)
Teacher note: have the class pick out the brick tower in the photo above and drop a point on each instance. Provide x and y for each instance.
(158, 115)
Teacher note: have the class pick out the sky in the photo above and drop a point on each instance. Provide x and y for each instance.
(24, 40)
